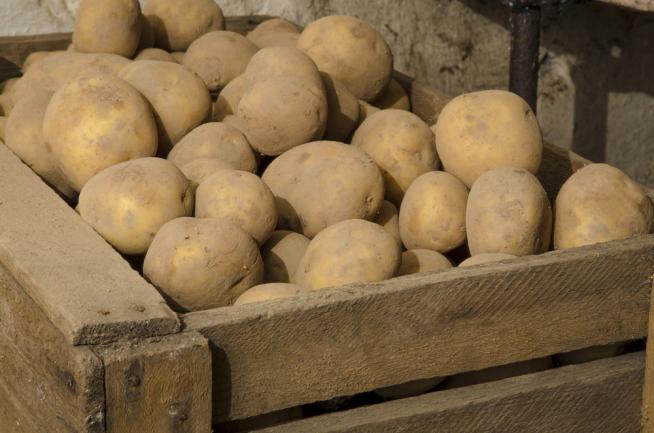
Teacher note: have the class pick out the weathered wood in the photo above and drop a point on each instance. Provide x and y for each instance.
(648, 386)
(639, 5)
(158, 386)
(14, 417)
(56, 379)
(343, 341)
(601, 396)
(82, 284)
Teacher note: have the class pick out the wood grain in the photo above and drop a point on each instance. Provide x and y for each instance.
(598, 397)
(158, 386)
(14, 416)
(343, 341)
(55, 379)
(648, 387)
(639, 5)
(82, 284)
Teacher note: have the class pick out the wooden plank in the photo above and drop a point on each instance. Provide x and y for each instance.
(158, 386)
(82, 284)
(59, 383)
(648, 387)
(639, 5)
(273, 355)
(601, 396)
(14, 417)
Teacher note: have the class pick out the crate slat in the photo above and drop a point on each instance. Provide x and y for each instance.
(601, 396)
(639, 5)
(648, 386)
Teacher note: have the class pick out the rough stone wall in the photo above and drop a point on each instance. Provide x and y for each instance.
(597, 61)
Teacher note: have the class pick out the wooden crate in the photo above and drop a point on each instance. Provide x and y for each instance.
(87, 345)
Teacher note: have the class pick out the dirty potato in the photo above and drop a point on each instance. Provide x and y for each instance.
(108, 26)
(420, 261)
(267, 292)
(388, 218)
(281, 255)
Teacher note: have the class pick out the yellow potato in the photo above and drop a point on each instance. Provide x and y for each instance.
(219, 57)
(508, 212)
(272, 27)
(433, 213)
(3, 126)
(321, 183)
(95, 121)
(267, 292)
(590, 354)
(498, 373)
(279, 115)
(365, 111)
(409, 389)
(24, 136)
(485, 258)
(393, 97)
(600, 203)
(179, 98)
(422, 261)
(351, 251)
(108, 26)
(178, 56)
(281, 254)
(33, 58)
(240, 197)
(215, 140)
(343, 114)
(284, 64)
(350, 51)
(202, 263)
(401, 144)
(177, 23)
(388, 218)
(155, 54)
(229, 98)
(278, 40)
(480, 131)
(6, 85)
(128, 203)
(200, 169)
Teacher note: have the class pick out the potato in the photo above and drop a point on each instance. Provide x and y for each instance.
(508, 212)
(498, 373)
(219, 57)
(278, 40)
(366, 110)
(343, 110)
(409, 389)
(279, 115)
(272, 27)
(147, 33)
(215, 140)
(33, 58)
(3, 126)
(600, 203)
(24, 136)
(5, 86)
(202, 263)
(284, 64)
(485, 258)
(178, 56)
(240, 197)
(393, 97)
(350, 51)
(421, 261)
(388, 218)
(281, 254)
(155, 54)
(128, 203)
(321, 183)
(590, 354)
(401, 144)
(480, 131)
(200, 169)
(95, 121)
(177, 23)
(267, 292)
(179, 98)
(351, 251)
(229, 98)
(433, 213)
(108, 26)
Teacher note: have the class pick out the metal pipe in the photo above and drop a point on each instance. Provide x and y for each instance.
(525, 41)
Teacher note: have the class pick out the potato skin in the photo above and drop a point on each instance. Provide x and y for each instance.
(321, 183)
(480, 259)
(177, 23)
(351, 251)
(272, 27)
(202, 263)
(508, 212)
(281, 254)
(480, 131)
(108, 26)
(215, 140)
(284, 64)
(388, 217)
(179, 98)
(421, 261)
(350, 51)
(95, 121)
(278, 40)
(600, 203)
(229, 98)
(200, 169)
(24, 136)
(129, 202)
(218, 57)
(343, 110)
(3, 127)
(267, 292)
(433, 213)
(393, 97)
(240, 197)
(401, 144)
(155, 54)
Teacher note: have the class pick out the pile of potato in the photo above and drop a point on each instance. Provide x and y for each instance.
(248, 168)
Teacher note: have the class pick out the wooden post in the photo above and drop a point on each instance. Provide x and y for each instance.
(648, 386)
